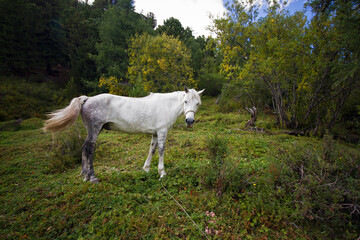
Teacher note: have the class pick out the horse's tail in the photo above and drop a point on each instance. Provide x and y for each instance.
(64, 118)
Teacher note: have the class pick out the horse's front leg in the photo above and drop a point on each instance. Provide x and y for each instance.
(152, 150)
(161, 145)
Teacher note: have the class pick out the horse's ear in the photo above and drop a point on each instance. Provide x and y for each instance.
(200, 92)
(186, 89)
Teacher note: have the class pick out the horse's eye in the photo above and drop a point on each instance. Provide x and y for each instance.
(185, 102)
(197, 104)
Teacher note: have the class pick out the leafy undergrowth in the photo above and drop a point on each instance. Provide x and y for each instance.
(233, 184)
(24, 99)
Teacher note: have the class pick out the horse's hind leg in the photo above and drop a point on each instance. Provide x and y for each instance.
(88, 149)
(152, 150)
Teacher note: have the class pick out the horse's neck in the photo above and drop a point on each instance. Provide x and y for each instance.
(176, 99)
(181, 96)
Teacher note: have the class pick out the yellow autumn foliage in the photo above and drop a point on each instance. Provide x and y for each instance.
(113, 85)
(161, 62)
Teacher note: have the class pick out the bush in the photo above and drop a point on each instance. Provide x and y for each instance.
(212, 82)
(321, 183)
(221, 173)
(303, 187)
(216, 172)
(23, 99)
(67, 149)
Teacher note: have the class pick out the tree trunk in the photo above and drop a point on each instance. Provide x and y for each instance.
(253, 112)
(344, 96)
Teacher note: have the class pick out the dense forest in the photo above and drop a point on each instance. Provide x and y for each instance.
(306, 71)
(84, 41)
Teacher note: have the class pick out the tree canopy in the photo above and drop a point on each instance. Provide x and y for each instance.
(307, 69)
(161, 62)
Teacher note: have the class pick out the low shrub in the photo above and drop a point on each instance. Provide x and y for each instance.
(24, 99)
(67, 149)
(221, 173)
(216, 170)
(317, 186)
(302, 187)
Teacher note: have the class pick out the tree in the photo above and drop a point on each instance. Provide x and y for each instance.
(117, 27)
(235, 34)
(151, 18)
(277, 61)
(32, 35)
(342, 18)
(162, 63)
(17, 36)
(81, 25)
(124, 4)
(208, 69)
(308, 72)
(197, 47)
(173, 27)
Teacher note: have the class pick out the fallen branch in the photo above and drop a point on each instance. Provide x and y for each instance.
(263, 130)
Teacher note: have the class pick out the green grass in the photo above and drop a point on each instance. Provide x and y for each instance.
(266, 185)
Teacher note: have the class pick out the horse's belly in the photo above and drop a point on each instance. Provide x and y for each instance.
(129, 128)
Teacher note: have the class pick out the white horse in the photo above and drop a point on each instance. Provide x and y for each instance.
(154, 114)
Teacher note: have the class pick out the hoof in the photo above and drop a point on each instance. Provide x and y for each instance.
(162, 175)
(162, 178)
(86, 179)
(94, 180)
(146, 169)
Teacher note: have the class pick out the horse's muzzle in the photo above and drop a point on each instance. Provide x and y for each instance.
(189, 122)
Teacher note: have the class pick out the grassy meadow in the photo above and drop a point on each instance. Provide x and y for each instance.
(234, 184)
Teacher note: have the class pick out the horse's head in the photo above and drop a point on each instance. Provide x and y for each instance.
(191, 103)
